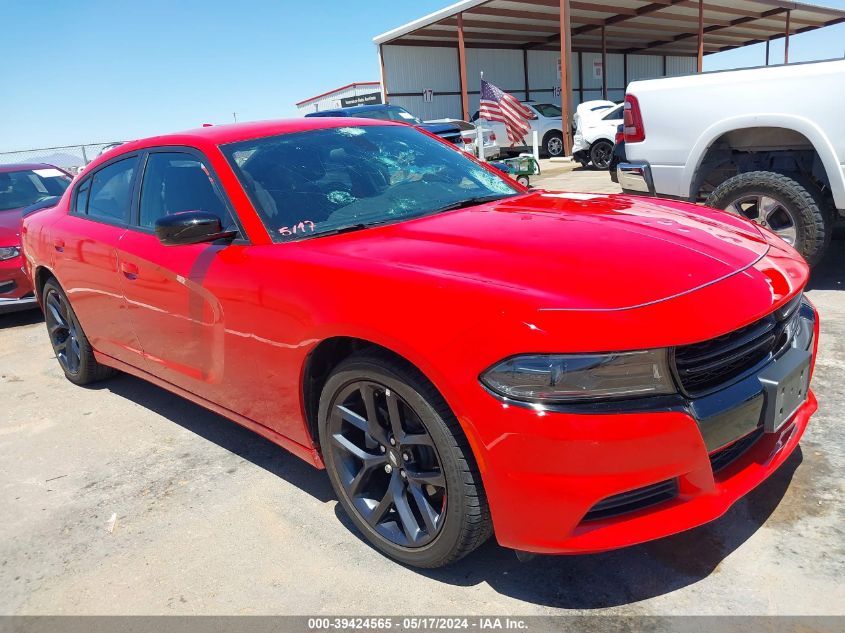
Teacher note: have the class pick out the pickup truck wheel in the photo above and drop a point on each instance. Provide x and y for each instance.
(600, 153)
(553, 144)
(786, 205)
(399, 462)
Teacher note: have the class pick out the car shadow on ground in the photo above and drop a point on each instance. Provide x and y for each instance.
(223, 432)
(17, 319)
(572, 582)
(829, 274)
(621, 577)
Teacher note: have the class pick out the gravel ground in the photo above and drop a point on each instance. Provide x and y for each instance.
(211, 519)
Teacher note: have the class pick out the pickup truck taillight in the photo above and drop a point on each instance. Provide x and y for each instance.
(468, 141)
(633, 120)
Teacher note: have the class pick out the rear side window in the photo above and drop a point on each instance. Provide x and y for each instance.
(111, 191)
(614, 115)
(174, 182)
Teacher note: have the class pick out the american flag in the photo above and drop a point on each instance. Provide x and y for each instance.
(497, 105)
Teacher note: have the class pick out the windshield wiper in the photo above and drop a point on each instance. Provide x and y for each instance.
(471, 202)
(349, 228)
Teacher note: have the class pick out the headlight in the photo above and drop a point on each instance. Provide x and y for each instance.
(8, 252)
(576, 377)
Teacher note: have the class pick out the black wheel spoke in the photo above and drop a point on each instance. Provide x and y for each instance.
(429, 514)
(374, 428)
(417, 439)
(356, 451)
(430, 477)
(358, 483)
(55, 311)
(408, 521)
(377, 514)
(394, 415)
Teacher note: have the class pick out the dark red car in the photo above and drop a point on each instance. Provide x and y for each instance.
(22, 186)
(574, 373)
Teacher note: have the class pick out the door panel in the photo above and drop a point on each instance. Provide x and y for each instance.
(85, 262)
(85, 245)
(178, 321)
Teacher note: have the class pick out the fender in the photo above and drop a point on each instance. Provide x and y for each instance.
(802, 125)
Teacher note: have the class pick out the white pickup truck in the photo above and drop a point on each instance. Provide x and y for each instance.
(766, 143)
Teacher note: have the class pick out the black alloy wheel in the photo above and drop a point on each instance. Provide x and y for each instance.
(601, 153)
(70, 344)
(387, 463)
(62, 328)
(399, 461)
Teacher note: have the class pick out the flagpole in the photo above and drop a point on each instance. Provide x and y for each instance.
(479, 130)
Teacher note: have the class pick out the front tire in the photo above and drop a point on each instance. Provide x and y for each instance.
(399, 462)
(600, 154)
(787, 205)
(70, 344)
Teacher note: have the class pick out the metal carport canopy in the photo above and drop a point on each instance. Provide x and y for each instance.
(660, 27)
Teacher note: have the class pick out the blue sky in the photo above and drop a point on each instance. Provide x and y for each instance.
(102, 70)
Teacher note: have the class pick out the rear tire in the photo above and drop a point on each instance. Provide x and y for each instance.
(412, 490)
(601, 153)
(70, 344)
(553, 144)
(524, 181)
(790, 206)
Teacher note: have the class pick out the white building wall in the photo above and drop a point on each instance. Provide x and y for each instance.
(412, 69)
(331, 101)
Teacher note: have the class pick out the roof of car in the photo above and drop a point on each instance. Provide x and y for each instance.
(23, 167)
(351, 110)
(234, 132)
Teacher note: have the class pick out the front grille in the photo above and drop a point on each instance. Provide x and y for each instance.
(634, 500)
(704, 367)
(725, 456)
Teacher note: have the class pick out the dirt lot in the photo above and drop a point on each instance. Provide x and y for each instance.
(211, 519)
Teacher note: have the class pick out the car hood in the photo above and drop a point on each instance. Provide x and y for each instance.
(568, 251)
(10, 227)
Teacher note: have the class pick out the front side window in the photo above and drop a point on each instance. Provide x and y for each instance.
(323, 181)
(175, 182)
(28, 186)
(111, 191)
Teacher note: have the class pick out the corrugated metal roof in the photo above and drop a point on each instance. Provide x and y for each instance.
(336, 90)
(632, 26)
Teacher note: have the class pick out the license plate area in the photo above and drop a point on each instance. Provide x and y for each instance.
(786, 383)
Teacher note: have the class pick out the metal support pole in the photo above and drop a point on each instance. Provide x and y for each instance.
(604, 63)
(462, 61)
(566, 76)
(700, 35)
(767, 52)
(786, 38)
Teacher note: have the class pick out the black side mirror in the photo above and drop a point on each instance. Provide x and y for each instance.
(191, 227)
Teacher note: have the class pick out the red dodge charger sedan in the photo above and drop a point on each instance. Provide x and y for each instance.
(574, 373)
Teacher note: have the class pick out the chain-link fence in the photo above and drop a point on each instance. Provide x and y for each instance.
(71, 158)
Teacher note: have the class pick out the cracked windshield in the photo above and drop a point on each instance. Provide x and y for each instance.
(335, 180)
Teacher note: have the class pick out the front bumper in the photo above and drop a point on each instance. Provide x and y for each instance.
(551, 479)
(15, 289)
(635, 178)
